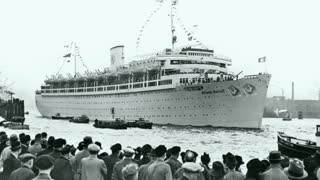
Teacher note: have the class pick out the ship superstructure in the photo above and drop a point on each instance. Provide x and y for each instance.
(181, 86)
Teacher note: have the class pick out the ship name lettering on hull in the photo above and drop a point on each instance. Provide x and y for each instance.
(213, 92)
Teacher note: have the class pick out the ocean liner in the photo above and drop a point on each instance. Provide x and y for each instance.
(189, 85)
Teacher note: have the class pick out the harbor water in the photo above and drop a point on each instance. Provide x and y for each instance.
(215, 141)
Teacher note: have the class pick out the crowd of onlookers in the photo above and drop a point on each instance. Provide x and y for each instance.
(40, 158)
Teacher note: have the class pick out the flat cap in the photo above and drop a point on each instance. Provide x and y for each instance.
(26, 157)
(128, 151)
(93, 147)
(44, 162)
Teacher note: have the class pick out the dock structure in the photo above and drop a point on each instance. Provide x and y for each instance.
(12, 109)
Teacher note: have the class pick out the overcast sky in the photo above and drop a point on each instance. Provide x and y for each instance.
(33, 34)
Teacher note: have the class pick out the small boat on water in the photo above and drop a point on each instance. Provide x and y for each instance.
(287, 118)
(58, 116)
(15, 126)
(82, 119)
(141, 123)
(117, 124)
(295, 147)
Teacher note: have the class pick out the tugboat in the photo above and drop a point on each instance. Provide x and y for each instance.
(58, 116)
(141, 123)
(117, 124)
(287, 117)
(297, 148)
(82, 119)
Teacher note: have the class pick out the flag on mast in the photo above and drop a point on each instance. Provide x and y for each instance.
(67, 55)
(262, 59)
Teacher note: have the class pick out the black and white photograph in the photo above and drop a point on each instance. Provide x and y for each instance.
(159, 90)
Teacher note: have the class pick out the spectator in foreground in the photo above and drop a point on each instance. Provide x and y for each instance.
(12, 162)
(130, 172)
(217, 171)
(145, 150)
(111, 160)
(24, 172)
(231, 163)
(254, 168)
(128, 153)
(93, 168)
(295, 170)
(192, 171)
(173, 161)
(62, 168)
(275, 172)
(159, 170)
(143, 170)
(44, 164)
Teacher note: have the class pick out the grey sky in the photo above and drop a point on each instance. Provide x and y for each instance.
(33, 33)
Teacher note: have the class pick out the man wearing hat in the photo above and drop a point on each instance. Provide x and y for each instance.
(192, 171)
(62, 168)
(11, 163)
(143, 169)
(93, 168)
(173, 160)
(275, 172)
(49, 148)
(190, 158)
(159, 170)
(232, 174)
(36, 147)
(145, 150)
(128, 152)
(295, 170)
(111, 160)
(57, 147)
(44, 164)
(87, 140)
(24, 172)
(25, 141)
(7, 150)
(3, 141)
(311, 163)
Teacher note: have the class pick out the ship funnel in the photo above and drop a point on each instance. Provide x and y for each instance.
(116, 57)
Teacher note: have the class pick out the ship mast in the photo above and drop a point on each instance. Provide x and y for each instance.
(75, 60)
(173, 37)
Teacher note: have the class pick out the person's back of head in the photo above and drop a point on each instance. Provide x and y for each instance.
(130, 171)
(27, 160)
(128, 152)
(217, 170)
(189, 156)
(44, 135)
(160, 151)
(87, 141)
(146, 149)
(296, 170)
(93, 149)
(254, 168)
(44, 163)
(116, 148)
(275, 157)
(50, 141)
(205, 159)
(37, 137)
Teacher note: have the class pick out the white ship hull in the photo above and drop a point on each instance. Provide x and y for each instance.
(198, 104)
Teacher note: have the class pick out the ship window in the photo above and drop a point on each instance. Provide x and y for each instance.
(111, 88)
(152, 84)
(165, 82)
(175, 62)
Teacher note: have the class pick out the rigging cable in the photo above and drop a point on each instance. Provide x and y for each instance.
(160, 3)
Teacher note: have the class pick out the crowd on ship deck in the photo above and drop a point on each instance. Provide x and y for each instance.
(43, 157)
